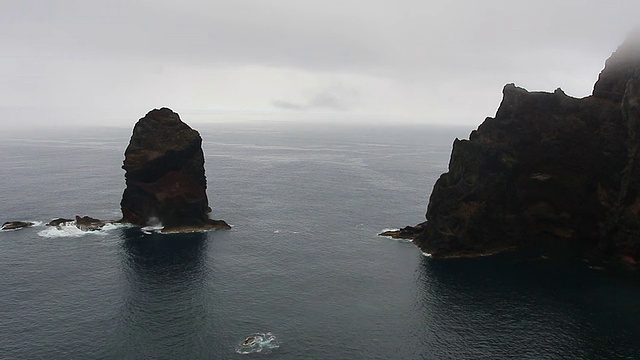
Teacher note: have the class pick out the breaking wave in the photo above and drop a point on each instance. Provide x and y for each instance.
(154, 226)
(152, 229)
(69, 229)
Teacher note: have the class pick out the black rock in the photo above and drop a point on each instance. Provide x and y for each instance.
(15, 225)
(547, 168)
(165, 175)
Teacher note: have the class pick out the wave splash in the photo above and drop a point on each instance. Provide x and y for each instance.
(69, 229)
(154, 225)
(257, 343)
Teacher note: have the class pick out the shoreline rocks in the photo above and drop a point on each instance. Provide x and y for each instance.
(16, 225)
(407, 232)
(89, 224)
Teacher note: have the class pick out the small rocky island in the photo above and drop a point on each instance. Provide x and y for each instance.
(547, 169)
(165, 176)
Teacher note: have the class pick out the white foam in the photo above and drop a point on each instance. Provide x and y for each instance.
(63, 231)
(152, 229)
(115, 226)
(391, 237)
(285, 232)
(153, 226)
(69, 229)
(426, 254)
(388, 229)
(257, 343)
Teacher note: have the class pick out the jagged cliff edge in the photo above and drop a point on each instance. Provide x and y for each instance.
(548, 168)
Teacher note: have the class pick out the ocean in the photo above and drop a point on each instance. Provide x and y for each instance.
(301, 275)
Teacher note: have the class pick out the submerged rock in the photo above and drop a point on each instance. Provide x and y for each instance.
(209, 225)
(15, 225)
(258, 343)
(165, 175)
(548, 168)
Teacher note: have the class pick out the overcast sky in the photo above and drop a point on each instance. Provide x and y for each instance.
(109, 62)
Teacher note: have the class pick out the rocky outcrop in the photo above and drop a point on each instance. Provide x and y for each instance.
(87, 223)
(547, 168)
(407, 232)
(58, 222)
(165, 175)
(16, 225)
(84, 223)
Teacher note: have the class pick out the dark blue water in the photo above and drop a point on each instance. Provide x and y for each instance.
(302, 262)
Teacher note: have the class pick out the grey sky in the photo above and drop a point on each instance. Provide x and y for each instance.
(109, 62)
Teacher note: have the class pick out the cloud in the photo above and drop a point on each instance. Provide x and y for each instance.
(406, 58)
(353, 35)
(288, 105)
(336, 98)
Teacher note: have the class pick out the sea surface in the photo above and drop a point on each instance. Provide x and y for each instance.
(302, 274)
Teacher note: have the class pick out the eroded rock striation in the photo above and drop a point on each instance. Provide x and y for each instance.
(547, 166)
(165, 175)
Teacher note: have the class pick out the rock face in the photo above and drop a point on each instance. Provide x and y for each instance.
(547, 167)
(165, 176)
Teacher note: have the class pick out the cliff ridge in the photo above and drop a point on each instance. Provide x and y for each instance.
(548, 167)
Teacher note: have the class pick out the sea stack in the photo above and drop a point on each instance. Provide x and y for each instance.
(547, 169)
(165, 177)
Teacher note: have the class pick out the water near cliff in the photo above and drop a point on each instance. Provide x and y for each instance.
(302, 271)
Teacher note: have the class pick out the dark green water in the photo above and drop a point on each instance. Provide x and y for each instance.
(302, 262)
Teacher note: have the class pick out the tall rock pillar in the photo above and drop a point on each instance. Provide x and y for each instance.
(165, 175)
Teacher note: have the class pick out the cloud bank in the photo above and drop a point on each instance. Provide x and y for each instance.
(415, 61)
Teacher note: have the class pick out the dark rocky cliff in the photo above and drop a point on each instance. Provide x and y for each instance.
(547, 168)
(165, 175)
